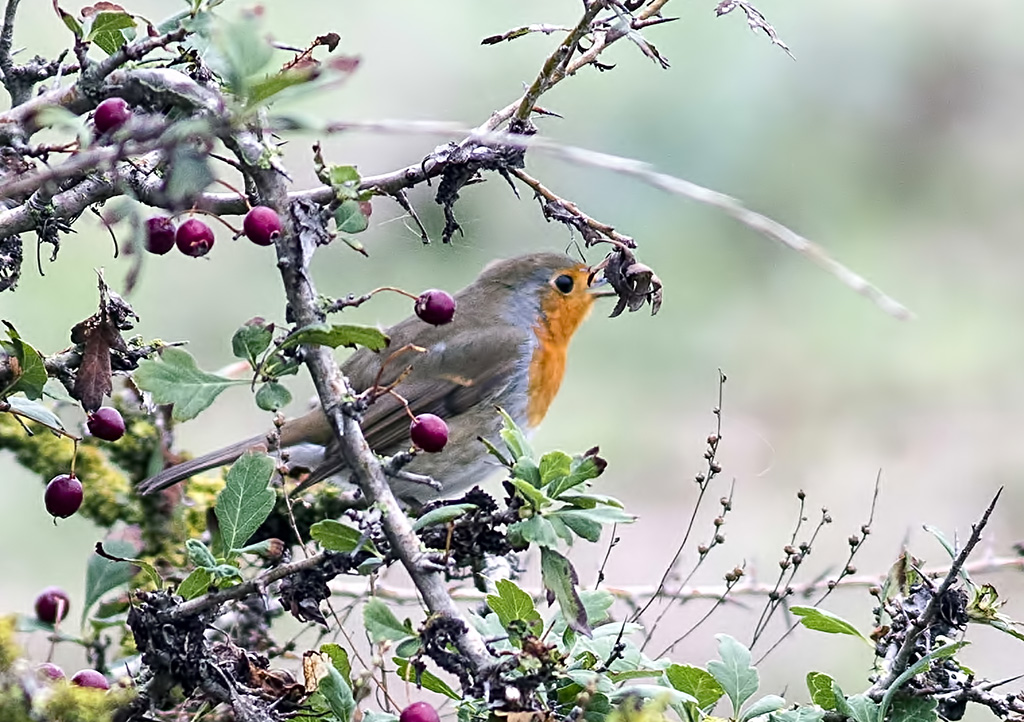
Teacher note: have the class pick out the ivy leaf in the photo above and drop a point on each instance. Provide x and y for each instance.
(174, 378)
(696, 682)
(821, 620)
(425, 679)
(252, 339)
(734, 672)
(513, 604)
(382, 624)
(820, 685)
(272, 396)
(245, 501)
(195, 584)
(560, 579)
(339, 334)
(103, 575)
(337, 537)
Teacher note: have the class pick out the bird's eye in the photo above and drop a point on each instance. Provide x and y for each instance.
(564, 283)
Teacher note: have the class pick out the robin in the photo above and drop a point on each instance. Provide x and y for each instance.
(506, 347)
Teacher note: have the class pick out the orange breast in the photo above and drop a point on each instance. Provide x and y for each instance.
(560, 316)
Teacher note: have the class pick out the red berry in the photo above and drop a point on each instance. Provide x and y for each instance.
(159, 235)
(429, 432)
(106, 423)
(435, 307)
(419, 712)
(52, 605)
(262, 225)
(90, 678)
(63, 496)
(194, 238)
(111, 114)
(49, 670)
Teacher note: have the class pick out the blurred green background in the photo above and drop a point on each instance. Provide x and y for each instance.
(894, 140)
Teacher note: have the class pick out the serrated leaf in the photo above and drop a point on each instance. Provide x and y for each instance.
(196, 584)
(766, 705)
(272, 396)
(820, 685)
(349, 217)
(338, 694)
(534, 496)
(339, 334)
(382, 624)
(107, 30)
(174, 378)
(337, 537)
(442, 515)
(31, 369)
(103, 575)
(559, 577)
(245, 501)
(821, 620)
(914, 709)
(250, 340)
(582, 469)
(858, 708)
(340, 660)
(697, 682)
(734, 671)
(800, 714)
(511, 604)
(535, 530)
(427, 679)
(34, 410)
(554, 465)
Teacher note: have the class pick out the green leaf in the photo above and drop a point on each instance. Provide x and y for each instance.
(950, 549)
(859, 707)
(554, 465)
(338, 694)
(535, 530)
(915, 669)
(103, 575)
(188, 174)
(526, 469)
(511, 604)
(339, 658)
(514, 438)
(600, 515)
(344, 179)
(442, 515)
(245, 501)
(260, 91)
(337, 537)
(914, 709)
(734, 672)
(240, 51)
(534, 496)
(766, 705)
(382, 624)
(559, 576)
(696, 682)
(583, 468)
(820, 685)
(339, 334)
(199, 554)
(821, 620)
(427, 680)
(174, 378)
(408, 647)
(252, 339)
(583, 526)
(371, 715)
(800, 714)
(196, 584)
(35, 411)
(32, 372)
(107, 30)
(272, 396)
(349, 217)
(69, 20)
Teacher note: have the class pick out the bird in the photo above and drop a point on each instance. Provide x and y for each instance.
(505, 348)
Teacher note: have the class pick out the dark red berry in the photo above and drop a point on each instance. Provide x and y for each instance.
(90, 678)
(52, 605)
(419, 712)
(429, 432)
(111, 114)
(159, 235)
(49, 670)
(194, 238)
(106, 423)
(435, 307)
(262, 225)
(63, 496)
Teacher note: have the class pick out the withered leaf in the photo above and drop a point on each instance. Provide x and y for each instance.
(99, 335)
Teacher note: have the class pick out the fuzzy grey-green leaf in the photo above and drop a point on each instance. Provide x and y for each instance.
(174, 378)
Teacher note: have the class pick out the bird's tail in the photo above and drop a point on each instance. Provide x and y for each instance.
(180, 472)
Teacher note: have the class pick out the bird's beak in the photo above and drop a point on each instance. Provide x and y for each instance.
(596, 286)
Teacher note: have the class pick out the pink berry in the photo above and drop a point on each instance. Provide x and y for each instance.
(262, 225)
(106, 423)
(159, 235)
(63, 496)
(111, 114)
(419, 712)
(435, 307)
(52, 605)
(194, 238)
(49, 670)
(429, 432)
(90, 678)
